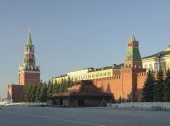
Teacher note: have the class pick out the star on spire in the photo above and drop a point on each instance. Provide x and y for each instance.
(132, 38)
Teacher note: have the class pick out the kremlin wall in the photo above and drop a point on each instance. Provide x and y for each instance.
(124, 81)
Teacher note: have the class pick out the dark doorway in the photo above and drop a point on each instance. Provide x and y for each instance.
(61, 102)
(81, 102)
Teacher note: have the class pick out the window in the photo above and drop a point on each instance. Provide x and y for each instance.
(108, 73)
(150, 67)
(100, 74)
(97, 75)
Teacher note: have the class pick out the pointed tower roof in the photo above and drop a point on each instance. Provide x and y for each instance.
(29, 40)
(132, 38)
(133, 57)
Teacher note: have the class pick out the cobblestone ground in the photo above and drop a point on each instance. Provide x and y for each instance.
(46, 116)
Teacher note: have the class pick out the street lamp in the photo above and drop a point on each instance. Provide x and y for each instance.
(159, 56)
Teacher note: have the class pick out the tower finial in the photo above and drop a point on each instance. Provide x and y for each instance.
(132, 33)
(132, 38)
(29, 29)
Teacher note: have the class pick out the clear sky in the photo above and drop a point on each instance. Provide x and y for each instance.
(75, 34)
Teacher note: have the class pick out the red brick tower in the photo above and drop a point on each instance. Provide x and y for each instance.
(29, 73)
(132, 66)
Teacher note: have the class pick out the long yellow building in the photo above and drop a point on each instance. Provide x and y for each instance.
(89, 74)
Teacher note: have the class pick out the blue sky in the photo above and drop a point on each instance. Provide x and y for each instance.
(75, 34)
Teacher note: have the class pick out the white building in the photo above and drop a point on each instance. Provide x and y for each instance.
(156, 61)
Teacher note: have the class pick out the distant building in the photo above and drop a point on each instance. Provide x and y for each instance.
(83, 93)
(15, 92)
(89, 73)
(156, 61)
(29, 72)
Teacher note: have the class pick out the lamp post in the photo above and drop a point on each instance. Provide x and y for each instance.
(159, 60)
(122, 84)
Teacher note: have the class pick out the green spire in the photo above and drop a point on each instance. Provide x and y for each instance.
(133, 54)
(133, 57)
(132, 38)
(29, 40)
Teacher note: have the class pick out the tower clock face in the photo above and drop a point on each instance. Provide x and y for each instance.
(31, 60)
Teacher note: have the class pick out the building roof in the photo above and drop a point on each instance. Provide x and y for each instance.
(168, 48)
(91, 69)
(159, 54)
(83, 88)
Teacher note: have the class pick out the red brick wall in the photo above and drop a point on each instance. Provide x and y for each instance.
(124, 85)
(110, 85)
(141, 79)
(15, 92)
(29, 78)
(21, 78)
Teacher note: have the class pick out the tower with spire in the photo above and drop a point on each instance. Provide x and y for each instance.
(132, 66)
(133, 58)
(29, 72)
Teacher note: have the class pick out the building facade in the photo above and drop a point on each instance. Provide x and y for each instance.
(89, 74)
(28, 73)
(156, 61)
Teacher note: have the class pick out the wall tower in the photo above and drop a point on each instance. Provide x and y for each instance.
(132, 66)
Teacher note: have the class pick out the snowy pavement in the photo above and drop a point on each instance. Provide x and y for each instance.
(50, 116)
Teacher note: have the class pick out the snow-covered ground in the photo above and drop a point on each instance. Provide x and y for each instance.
(142, 105)
(80, 116)
(23, 104)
